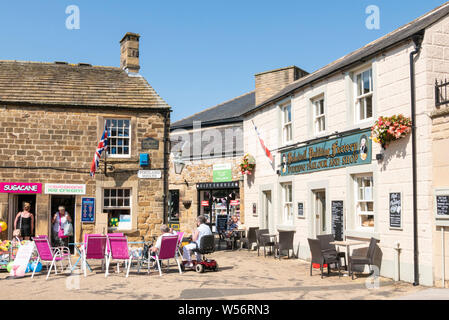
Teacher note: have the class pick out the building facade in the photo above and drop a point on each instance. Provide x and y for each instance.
(52, 117)
(331, 177)
(205, 177)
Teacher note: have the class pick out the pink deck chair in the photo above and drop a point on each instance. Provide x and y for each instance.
(50, 255)
(112, 235)
(95, 249)
(168, 250)
(119, 252)
(180, 236)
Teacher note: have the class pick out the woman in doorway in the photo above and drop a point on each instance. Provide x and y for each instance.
(57, 222)
(25, 219)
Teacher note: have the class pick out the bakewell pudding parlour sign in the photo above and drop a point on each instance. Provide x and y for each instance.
(18, 187)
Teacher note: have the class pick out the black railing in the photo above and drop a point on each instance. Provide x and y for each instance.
(441, 90)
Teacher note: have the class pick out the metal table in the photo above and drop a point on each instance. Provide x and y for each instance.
(347, 244)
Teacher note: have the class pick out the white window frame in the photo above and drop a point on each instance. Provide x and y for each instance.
(288, 216)
(358, 201)
(109, 155)
(286, 125)
(123, 207)
(317, 118)
(363, 96)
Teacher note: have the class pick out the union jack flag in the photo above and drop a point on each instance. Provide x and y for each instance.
(102, 146)
(262, 143)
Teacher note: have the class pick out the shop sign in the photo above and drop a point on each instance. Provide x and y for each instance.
(235, 202)
(149, 174)
(124, 222)
(88, 210)
(395, 210)
(204, 203)
(56, 188)
(150, 143)
(222, 172)
(217, 185)
(336, 153)
(18, 187)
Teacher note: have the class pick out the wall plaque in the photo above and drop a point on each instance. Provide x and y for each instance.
(150, 143)
(395, 210)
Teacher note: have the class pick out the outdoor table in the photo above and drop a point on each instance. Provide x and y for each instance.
(347, 244)
(241, 233)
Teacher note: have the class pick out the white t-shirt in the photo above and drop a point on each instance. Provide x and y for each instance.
(203, 230)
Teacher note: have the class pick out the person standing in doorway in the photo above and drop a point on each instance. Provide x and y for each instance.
(25, 221)
(57, 222)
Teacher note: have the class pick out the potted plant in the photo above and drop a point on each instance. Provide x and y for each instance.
(388, 129)
(247, 164)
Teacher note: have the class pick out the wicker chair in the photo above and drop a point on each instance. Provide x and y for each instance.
(250, 238)
(363, 260)
(322, 258)
(285, 243)
(326, 246)
(263, 241)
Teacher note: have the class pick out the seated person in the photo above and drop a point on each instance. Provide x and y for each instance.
(234, 224)
(165, 231)
(202, 230)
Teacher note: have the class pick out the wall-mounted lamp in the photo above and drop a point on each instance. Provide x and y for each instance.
(178, 163)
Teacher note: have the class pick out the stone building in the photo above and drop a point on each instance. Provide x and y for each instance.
(205, 177)
(52, 116)
(360, 190)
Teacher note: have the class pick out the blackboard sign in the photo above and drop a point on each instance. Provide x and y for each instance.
(395, 210)
(337, 220)
(222, 222)
(443, 206)
(300, 209)
(150, 143)
(87, 210)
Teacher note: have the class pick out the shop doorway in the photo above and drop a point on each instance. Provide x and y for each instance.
(68, 202)
(319, 209)
(266, 209)
(16, 205)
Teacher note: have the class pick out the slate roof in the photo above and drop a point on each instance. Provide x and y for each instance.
(393, 38)
(226, 112)
(38, 83)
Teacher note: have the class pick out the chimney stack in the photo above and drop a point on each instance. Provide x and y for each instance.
(271, 82)
(129, 52)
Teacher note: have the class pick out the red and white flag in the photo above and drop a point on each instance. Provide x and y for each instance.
(266, 150)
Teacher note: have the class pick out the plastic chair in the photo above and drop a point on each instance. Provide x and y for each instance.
(168, 250)
(118, 251)
(95, 250)
(48, 254)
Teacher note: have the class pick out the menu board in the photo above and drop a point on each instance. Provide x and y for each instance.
(300, 209)
(337, 220)
(222, 222)
(443, 206)
(88, 210)
(395, 210)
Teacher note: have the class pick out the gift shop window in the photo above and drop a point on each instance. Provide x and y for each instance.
(117, 204)
(364, 95)
(364, 204)
(119, 138)
(287, 204)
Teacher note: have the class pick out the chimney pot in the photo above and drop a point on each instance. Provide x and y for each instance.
(129, 52)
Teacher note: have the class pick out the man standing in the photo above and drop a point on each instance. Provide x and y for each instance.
(202, 230)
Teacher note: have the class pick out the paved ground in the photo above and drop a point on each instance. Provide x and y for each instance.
(428, 294)
(242, 275)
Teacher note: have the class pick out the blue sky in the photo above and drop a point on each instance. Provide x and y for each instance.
(198, 53)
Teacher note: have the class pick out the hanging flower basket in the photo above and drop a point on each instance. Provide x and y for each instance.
(247, 165)
(388, 129)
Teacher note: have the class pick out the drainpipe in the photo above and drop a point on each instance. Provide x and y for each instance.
(166, 159)
(417, 39)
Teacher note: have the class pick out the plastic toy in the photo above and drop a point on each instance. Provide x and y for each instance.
(113, 222)
(9, 266)
(3, 225)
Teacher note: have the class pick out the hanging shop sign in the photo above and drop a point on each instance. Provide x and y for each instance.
(222, 172)
(18, 187)
(57, 188)
(88, 210)
(204, 203)
(335, 153)
(217, 185)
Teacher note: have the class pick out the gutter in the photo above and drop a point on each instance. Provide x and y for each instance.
(417, 40)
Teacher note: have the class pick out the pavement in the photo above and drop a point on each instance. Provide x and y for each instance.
(428, 294)
(242, 275)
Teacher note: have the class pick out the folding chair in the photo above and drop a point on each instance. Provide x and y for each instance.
(168, 250)
(50, 255)
(95, 250)
(119, 251)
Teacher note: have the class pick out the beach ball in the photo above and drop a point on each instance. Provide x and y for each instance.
(9, 266)
(28, 269)
(3, 225)
(38, 268)
(113, 222)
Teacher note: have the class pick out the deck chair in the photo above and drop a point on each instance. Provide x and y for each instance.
(180, 236)
(118, 251)
(169, 250)
(95, 250)
(50, 255)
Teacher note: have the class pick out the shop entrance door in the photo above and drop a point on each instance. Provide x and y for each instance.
(68, 202)
(16, 205)
(266, 209)
(320, 211)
